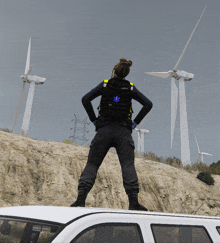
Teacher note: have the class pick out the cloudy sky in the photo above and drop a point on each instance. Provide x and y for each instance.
(75, 45)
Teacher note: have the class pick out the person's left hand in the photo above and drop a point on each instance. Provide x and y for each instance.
(133, 125)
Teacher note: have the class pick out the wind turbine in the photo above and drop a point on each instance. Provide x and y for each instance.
(181, 76)
(200, 153)
(141, 133)
(32, 80)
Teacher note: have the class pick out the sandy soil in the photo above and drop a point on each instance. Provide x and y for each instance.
(46, 173)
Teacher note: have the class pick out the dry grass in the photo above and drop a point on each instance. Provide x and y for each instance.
(46, 173)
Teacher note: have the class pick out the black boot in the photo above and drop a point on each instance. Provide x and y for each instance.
(80, 201)
(133, 203)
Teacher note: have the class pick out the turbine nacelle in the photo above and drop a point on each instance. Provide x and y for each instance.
(182, 74)
(30, 78)
(142, 130)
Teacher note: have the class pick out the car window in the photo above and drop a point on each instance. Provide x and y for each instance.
(110, 233)
(21, 231)
(218, 229)
(180, 234)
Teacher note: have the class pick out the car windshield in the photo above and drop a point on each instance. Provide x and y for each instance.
(13, 230)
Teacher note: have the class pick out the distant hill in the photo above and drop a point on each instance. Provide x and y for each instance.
(36, 172)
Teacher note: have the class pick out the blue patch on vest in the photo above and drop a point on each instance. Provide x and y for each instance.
(116, 99)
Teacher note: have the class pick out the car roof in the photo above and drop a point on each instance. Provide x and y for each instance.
(65, 214)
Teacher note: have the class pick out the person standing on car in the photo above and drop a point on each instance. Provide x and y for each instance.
(114, 126)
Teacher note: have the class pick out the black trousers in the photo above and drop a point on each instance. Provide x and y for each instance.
(105, 138)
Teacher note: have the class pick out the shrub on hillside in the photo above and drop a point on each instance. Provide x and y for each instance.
(206, 177)
(215, 168)
(5, 130)
(152, 156)
(187, 168)
(201, 167)
(173, 161)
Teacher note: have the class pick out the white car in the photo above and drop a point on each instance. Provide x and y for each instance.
(46, 224)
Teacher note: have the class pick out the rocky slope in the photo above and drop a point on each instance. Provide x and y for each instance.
(36, 172)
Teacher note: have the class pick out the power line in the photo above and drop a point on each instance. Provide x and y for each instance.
(76, 129)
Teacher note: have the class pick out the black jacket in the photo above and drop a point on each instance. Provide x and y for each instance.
(100, 90)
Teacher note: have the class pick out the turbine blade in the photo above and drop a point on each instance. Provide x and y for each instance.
(197, 144)
(29, 70)
(27, 67)
(207, 154)
(20, 102)
(184, 135)
(174, 100)
(159, 74)
(178, 62)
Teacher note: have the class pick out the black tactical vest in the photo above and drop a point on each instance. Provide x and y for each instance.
(115, 104)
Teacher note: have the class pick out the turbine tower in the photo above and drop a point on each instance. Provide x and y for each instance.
(181, 76)
(32, 80)
(200, 153)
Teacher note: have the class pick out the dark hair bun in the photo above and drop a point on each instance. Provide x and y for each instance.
(128, 63)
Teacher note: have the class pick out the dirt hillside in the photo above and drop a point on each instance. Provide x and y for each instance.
(36, 172)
